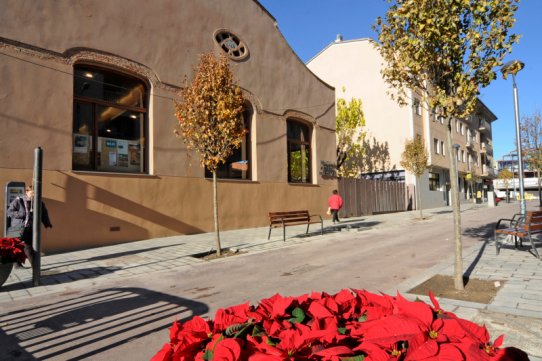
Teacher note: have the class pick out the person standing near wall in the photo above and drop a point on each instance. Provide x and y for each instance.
(20, 212)
(335, 203)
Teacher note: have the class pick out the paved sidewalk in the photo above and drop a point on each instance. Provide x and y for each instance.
(169, 253)
(516, 310)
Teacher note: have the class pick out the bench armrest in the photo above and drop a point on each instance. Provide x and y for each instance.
(511, 220)
(316, 215)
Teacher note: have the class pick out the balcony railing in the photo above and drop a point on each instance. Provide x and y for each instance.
(484, 126)
(488, 171)
(487, 147)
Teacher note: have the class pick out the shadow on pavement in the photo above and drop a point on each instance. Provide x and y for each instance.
(87, 325)
(107, 256)
(54, 278)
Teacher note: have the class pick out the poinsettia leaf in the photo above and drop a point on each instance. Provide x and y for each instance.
(208, 355)
(299, 315)
(258, 330)
(353, 358)
(498, 341)
(363, 318)
(342, 330)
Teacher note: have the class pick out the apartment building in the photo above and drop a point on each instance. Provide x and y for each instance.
(93, 83)
(355, 66)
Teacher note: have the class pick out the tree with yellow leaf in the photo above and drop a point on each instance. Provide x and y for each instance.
(414, 159)
(210, 118)
(349, 129)
(446, 50)
(505, 175)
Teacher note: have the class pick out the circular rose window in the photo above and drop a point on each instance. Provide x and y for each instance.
(231, 44)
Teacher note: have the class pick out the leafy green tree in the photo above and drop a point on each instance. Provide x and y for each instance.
(414, 159)
(445, 50)
(349, 129)
(531, 143)
(505, 175)
(210, 118)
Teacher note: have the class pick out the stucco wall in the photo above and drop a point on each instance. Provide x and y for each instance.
(159, 42)
(356, 66)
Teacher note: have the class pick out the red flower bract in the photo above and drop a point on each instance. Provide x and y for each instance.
(351, 325)
(12, 250)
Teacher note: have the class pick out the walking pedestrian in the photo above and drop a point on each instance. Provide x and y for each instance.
(335, 203)
(20, 212)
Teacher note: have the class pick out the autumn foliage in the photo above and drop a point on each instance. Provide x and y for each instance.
(210, 112)
(352, 325)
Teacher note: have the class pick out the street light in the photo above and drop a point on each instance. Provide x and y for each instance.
(456, 147)
(512, 67)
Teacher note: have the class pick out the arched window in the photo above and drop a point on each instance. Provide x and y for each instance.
(109, 121)
(238, 165)
(299, 152)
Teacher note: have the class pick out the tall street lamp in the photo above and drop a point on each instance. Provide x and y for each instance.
(456, 148)
(512, 67)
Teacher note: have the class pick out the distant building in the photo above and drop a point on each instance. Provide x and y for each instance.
(93, 83)
(356, 65)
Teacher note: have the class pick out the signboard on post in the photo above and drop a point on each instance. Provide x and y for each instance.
(13, 190)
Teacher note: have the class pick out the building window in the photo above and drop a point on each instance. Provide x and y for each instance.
(457, 126)
(434, 181)
(231, 44)
(462, 128)
(442, 147)
(436, 144)
(299, 152)
(238, 165)
(109, 121)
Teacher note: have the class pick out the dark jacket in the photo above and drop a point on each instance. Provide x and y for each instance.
(18, 215)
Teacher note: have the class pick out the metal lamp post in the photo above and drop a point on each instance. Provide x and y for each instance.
(512, 67)
(456, 147)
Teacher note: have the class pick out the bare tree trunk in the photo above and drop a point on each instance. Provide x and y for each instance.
(458, 264)
(215, 211)
(419, 196)
(539, 189)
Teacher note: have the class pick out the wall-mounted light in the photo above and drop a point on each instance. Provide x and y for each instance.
(89, 75)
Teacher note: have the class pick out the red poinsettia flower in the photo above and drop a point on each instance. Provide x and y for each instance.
(225, 318)
(323, 327)
(12, 250)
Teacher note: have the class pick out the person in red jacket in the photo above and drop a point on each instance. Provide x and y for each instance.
(335, 202)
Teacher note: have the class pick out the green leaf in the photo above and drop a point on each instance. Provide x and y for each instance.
(258, 330)
(299, 316)
(353, 358)
(342, 330)
(208, 355)
(362, 318)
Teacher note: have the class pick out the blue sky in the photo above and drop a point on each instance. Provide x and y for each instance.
(310, 25)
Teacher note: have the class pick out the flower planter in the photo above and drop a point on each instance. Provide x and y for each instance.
(5, 270)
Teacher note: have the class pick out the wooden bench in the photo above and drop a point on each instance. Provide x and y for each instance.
(520, 227)
(293, 218)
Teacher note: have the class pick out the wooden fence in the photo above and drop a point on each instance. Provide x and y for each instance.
(364, 197)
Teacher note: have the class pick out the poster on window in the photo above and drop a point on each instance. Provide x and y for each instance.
(122, 153)
(134, 154)
(112, 159)
(80, 143)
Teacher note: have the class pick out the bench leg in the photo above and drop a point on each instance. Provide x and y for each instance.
(308, 224)
(283, 233)
(322, 228)
(269, 235)
(534, 247)
(497, 245)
